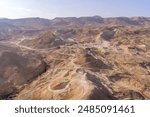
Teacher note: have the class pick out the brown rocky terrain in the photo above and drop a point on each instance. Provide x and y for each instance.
(17, 69)
(78, 58)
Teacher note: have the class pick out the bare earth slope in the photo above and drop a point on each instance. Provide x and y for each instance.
(16, 69)
(96, 59)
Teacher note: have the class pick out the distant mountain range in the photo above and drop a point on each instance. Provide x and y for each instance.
(9, 27)
(40, 23)
(25, 23)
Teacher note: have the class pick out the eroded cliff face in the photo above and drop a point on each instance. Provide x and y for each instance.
(78, 62)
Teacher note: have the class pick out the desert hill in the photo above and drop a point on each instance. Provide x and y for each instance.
(17, 68)
(75, 58)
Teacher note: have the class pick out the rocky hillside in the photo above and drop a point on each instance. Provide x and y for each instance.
(16, 69)
(98, 58)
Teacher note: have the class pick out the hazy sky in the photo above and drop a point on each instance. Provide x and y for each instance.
(69, 8)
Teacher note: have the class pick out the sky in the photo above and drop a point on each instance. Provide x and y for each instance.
(73, 8)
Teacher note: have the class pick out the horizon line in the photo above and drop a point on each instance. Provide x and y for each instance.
(76, 17)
